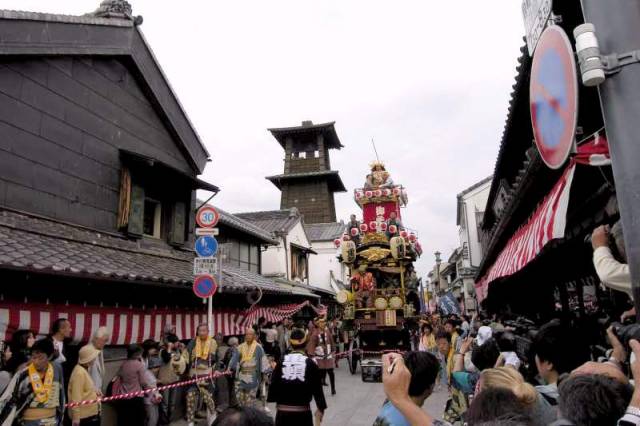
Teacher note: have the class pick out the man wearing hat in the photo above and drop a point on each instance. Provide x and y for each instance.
(321, 346)
(82, 388)
(294, 383)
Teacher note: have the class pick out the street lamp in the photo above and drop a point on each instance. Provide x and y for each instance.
(438, 262)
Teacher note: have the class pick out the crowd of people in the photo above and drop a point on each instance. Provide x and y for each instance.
(282, 363)
(490, 383)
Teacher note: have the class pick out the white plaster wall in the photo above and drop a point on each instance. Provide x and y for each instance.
(475, 200)
(275, 260)
(321, 265)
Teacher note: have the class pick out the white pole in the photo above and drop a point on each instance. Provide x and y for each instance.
(210, 315)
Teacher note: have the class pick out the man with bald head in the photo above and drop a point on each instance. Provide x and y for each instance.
(247, 361)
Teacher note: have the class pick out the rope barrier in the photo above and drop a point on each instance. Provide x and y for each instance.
(197, 379)
(143, 392)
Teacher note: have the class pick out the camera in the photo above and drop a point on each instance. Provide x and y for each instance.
(625, 333)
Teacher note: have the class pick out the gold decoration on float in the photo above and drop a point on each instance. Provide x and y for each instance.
(374, 237)
(375, 254)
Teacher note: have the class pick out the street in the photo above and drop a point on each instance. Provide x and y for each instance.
(357, 403)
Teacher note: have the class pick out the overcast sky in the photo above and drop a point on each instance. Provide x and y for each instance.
(428, 80)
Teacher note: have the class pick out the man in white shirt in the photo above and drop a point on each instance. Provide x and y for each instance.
(60, 331)
(99, 339)
(612, 273)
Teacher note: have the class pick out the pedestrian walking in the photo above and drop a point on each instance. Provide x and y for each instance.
(248, 360)
(131, 411)
(321, 346)
(202, 360)
(294, 383)
(82, 388)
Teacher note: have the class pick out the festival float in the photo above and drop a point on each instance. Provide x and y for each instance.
(381, 297)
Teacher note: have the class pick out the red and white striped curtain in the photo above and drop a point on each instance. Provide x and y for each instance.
(548, 222)
(128, 325)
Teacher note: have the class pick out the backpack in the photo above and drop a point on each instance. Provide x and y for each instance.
(114, 387)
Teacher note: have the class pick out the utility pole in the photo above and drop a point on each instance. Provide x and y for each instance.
(617, 26)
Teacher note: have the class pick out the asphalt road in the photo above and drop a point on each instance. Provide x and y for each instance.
(357, 403)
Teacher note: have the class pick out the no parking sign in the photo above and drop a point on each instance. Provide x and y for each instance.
(553, 97)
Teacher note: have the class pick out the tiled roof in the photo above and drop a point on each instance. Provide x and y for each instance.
(44, 245)
(88, 19)
(332, 176)
(272, 220)
(245, 226)
(327, 129)
(324, 231)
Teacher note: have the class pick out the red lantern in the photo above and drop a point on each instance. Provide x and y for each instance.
(404, 234)
(393, 229)
(387, 192)
(368, 194)
(377, 193)
(354, 232)
(396, 191)
(364, 227)
(358, 195)
(383, 227)
(412, 237)
(373, 226)
(337, 242)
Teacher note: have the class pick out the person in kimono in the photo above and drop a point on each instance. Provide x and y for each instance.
(35, 396)
(202, 353)
(322, 346)
(294, 383)
(248, 362)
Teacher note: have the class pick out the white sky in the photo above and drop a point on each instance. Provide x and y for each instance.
(428, 80)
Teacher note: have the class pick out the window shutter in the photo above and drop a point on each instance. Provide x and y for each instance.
(124, 204)
(136, 213)
(178, 223)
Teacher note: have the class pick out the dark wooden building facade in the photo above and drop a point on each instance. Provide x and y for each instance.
(99, 166)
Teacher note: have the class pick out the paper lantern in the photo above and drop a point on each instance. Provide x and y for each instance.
(396, 191)
(377, 193)
(387, 192)
(337, 242)
(373, 226)
(412, 237)
(393, 229)
(354, 232)
(404, 234)
(358, 195)
(364, 227)
(383, 227)
(368, 194)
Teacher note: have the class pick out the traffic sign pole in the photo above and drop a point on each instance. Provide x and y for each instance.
(617, 28)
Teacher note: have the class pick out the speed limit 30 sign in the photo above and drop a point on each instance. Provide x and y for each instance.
(207, 217)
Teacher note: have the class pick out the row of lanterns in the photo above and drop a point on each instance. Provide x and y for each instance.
(387, 192)
(373, 226)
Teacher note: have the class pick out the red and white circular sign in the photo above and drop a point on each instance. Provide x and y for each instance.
(554, 97)
(207, 217)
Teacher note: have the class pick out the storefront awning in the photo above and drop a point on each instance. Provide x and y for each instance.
(548, 222)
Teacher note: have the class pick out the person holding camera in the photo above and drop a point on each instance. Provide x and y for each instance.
(612, 272)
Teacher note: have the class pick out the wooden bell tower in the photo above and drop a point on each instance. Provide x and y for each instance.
(308, 183)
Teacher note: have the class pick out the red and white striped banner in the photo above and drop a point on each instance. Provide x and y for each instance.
(594, 152)
(548, 222)
(128, 325)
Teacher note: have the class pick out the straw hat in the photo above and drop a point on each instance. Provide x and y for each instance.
(87, 354)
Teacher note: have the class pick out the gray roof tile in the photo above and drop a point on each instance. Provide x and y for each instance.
(272, 220)
(46, 245)
(324, 231)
